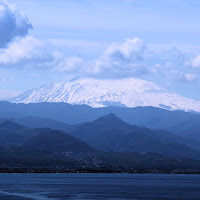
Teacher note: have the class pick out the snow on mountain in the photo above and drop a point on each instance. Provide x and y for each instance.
(130, 92)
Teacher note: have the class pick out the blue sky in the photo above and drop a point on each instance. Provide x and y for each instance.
(52, 41)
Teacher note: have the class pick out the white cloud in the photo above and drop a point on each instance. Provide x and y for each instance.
(72, 64)
(188, 77)
(195, 62)
(20, 49)
(26, 52)
(127, 59)
(31, 53)
(130, 49)
(134, 58)
(180, 76)
(173, 64)
(13, 23)
(121, 59)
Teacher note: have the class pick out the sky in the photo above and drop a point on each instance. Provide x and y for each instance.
(49, 41)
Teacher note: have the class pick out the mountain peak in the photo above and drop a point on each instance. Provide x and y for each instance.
(110, 121)
(128, 92)
(110, 117)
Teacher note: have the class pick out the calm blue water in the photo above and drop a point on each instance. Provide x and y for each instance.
(98, 186)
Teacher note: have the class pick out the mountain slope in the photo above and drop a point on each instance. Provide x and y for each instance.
(12, 134)
(110, 133)
(38, 122)
(149, 117)
(58, 142)
(102, 93)
(54, 150)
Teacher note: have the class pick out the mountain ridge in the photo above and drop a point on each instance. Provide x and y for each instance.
(110, 133)
(129, 92)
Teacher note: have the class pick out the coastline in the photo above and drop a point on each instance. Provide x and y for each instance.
(92, 171)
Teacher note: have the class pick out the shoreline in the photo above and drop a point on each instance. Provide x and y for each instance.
(99, 172)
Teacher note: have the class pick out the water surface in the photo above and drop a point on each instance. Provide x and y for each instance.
(99, 187)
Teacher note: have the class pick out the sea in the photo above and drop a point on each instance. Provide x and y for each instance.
(99, 187)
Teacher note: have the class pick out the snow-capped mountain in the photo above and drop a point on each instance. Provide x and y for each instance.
(128, 92)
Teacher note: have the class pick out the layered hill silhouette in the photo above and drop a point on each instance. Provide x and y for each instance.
(150, 117)
(12, 134)
(109, 133)
(57, 142)
(25, 149)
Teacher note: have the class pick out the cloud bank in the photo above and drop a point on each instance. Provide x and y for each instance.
(27, 52)
(134, 58)
(122, 59)
(13, 23)
(129, 58)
